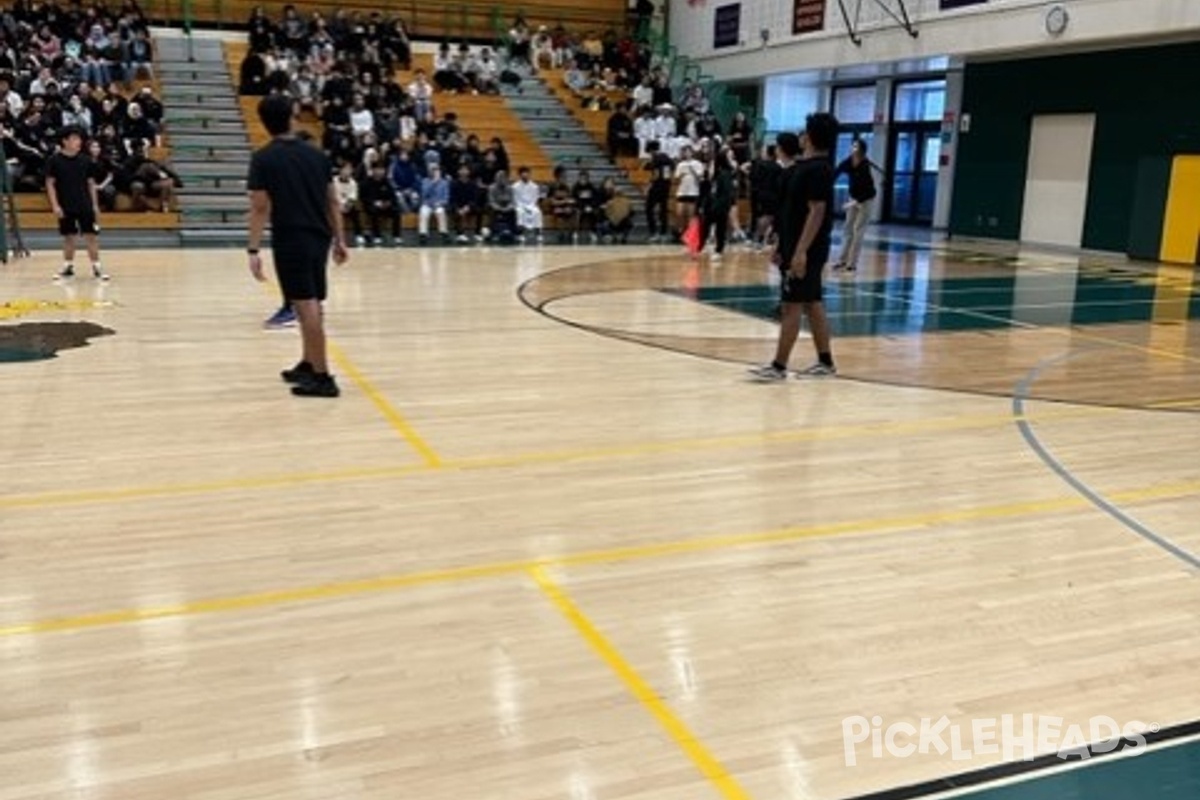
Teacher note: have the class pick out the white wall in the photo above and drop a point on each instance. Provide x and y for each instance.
(996, 27)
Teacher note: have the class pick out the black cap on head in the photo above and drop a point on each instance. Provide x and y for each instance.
(70, 130)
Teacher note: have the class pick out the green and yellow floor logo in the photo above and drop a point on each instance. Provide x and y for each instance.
(36, 341)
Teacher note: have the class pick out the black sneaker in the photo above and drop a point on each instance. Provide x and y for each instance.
(298, 374)
(317, 386)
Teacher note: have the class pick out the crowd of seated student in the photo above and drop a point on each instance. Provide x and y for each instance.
(74, 67)
(393, 152)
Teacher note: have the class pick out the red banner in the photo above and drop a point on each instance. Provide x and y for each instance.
(809, 16)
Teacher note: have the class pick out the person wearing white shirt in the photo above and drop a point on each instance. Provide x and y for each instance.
(527, 197)
(421, 92)
(688, 173)
(487, 77)
(643, 130)
(362, 121)
(10, 98)
(665, 125)
(642, 94)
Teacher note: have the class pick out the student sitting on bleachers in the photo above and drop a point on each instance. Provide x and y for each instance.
(587, 205)
(527, 197)
(435, 198)
(378, 199)
(617, 219)
(347, 194)
(562, 203)
(466, 205)
(503, 211)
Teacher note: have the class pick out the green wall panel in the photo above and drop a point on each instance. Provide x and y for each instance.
(1146, 102)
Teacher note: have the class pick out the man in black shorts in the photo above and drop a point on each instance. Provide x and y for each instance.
(71, 189)
(804, 226)
(291, 183)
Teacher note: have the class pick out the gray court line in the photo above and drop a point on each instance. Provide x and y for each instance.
(1022, 394)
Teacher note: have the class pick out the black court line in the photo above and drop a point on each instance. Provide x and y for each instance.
(1049, 764)
(542, 309)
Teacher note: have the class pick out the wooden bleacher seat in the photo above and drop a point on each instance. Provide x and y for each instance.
(474, 20)
(34, 207)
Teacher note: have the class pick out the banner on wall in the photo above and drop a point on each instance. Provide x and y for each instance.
(809, 16)
(727, 25)
(948, 4)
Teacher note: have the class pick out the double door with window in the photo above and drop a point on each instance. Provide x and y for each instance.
(915, 152)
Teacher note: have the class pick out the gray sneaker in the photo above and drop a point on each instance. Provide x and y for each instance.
(767, 373)
(817, 370)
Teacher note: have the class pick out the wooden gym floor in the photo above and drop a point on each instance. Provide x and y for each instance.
(550, 544)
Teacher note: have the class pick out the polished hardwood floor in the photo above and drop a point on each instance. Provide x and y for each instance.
(550, 543)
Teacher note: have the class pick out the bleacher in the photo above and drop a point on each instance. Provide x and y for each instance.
(473, 20)
(486, 116)
(596, 122)
(34, 207)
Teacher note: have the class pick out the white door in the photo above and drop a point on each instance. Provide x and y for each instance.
(1060, 164)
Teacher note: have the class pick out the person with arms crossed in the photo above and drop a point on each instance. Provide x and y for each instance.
(291, 184)
(71, 189)
(804, 227)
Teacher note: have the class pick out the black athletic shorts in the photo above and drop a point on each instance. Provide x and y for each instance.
(808, 289)
(300, 264)
(84, 222)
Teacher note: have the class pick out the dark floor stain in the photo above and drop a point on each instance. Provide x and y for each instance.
(37, 341)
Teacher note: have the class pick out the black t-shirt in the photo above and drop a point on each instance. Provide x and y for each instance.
(862, 183)
(764, 181)
(663, 169)
(70, 175)
(803, 182)
(296, 176)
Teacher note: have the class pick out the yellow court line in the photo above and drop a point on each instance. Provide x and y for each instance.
(249, 483)
(615, 555)
(379, 400)
(389, 412)
(1075, 333)
(632, 450)
(676, 728)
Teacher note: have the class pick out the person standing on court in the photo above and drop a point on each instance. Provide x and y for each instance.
(858, 210)
(71, 189)
(804, 227)
(291, 184)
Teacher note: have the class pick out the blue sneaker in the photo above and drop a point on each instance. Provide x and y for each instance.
(283, 318)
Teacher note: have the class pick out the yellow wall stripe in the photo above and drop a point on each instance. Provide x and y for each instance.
(1181, 228)
(725, 784)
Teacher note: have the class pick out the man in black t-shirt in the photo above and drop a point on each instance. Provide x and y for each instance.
(764, 194)
(662, 170)
(71, 189)
(291, 183)
(804, 227)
